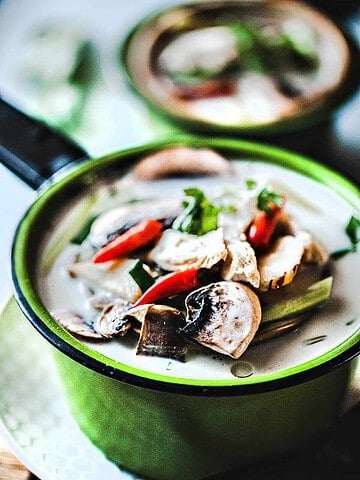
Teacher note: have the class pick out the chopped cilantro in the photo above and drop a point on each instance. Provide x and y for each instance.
(353, 230)
(250, 183)
(267, 199)
(199, 215)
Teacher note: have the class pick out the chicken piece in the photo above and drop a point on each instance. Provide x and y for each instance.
(241, 264)
(179, 251)
(236, 222)
(261, 98)
(313, 251)
(211, 49)
(280, 264)
(113, 277)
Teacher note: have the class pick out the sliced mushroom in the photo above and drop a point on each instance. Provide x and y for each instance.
(159, 336)
(118, 218)
(112, 322)
(280, 264)
(223, 316)
(241, 264)
(119, 318)
(181, 161)
(76, 324)
(177, 250)
(100, 301)
(113, 277)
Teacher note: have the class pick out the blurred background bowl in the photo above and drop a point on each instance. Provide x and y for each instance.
(246, 67)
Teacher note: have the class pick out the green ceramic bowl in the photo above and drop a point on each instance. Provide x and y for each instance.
(170, 54)
(178, 424)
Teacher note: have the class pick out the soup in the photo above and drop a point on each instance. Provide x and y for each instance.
(184, 302)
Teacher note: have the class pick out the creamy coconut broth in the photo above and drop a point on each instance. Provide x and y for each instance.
(312, 206)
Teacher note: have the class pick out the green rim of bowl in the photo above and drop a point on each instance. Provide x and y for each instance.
(35, 311)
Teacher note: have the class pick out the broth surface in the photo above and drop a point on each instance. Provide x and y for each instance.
(315, 207)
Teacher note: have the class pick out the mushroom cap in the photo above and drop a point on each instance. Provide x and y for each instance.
(181, 162)
(223, 316)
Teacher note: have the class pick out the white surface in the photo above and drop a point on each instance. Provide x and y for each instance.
(41, 430)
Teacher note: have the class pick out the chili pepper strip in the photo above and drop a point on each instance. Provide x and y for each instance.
(136, 237)
(171, 284)
(263, 226)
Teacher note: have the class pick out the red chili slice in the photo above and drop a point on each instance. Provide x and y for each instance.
(171, 284)
(136, 237)
(263, 226)
(209, 89)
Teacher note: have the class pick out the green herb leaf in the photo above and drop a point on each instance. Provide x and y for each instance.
(194, 77)
(352, 230)
(141, 276)
(250, 46)
(199, 215)
(342, 252)
(250, 183)
(84, 232)
(267, 199)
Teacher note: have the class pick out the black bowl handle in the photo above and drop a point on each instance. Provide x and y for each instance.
(31, 149)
